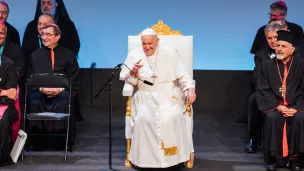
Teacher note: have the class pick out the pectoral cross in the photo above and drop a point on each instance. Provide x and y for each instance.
(153, 77)
(282, 90)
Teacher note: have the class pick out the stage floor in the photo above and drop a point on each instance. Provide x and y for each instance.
(219, 145)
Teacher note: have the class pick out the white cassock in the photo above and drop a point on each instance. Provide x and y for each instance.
(161, 130)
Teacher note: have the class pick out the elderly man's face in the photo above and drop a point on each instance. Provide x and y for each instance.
(3, 12)
(271, 37)
(149, 44)
(49, 38)
(43, 21)
(48, 6)
(2, 34)
(277, 14)
(284, 49)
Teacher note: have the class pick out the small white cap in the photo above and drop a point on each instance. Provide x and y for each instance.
(148, 32)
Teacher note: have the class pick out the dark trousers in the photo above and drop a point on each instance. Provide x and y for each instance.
(9, 117)
(39, 102)
(255, 117)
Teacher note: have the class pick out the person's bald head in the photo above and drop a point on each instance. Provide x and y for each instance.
(44, 19)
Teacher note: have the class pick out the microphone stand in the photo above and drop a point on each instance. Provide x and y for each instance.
(110, 82)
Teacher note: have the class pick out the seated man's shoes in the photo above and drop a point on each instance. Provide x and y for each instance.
(6, 163)
(251, 147)
(295, 164)
(271, 167)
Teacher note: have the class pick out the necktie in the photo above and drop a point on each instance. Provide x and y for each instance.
(284, 141)
(52, 58)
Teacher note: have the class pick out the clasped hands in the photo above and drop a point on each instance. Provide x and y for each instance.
(286, 112)
(50, 92)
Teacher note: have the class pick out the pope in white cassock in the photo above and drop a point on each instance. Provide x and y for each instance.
(161, 136)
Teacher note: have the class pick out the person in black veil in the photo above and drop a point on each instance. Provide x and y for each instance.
(56, 8)
(12, 33)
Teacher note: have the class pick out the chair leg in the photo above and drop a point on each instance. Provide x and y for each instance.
(67, 139)
(189, 164)
(127, 162)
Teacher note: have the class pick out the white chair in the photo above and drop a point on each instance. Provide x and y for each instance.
(184, 46)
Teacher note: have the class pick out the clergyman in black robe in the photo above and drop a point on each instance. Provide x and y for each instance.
(62, 61)
(278, 10)
(8, 112)
(15, 53)
(69, 39)
(255, 117)
(280, 96)
(12, 33)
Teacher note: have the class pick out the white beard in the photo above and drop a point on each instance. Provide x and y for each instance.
(279, 57)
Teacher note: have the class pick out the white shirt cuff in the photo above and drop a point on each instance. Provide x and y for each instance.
(187, 82)
(131, 80)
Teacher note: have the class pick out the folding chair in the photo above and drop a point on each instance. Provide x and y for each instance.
(52, 80)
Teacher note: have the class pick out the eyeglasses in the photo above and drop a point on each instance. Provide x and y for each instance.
(46, 34)
(3, 12)
(273, 15)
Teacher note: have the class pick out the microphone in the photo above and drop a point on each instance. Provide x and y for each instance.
(144, 81)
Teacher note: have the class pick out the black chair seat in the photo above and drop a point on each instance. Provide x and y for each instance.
(47, 116)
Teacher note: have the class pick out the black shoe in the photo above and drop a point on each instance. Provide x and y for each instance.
(271, 167)
(295, 165)
(251, 147)
(6, 163)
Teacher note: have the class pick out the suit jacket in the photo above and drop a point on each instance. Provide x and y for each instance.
(260, 57)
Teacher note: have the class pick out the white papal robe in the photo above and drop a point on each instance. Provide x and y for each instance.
(161, 130)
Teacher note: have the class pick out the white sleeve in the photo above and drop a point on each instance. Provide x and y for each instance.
(131, 80)
(186, 82)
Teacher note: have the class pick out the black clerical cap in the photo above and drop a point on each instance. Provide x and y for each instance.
(286, 36)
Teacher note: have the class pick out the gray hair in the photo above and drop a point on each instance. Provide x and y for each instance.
(276, 6)
(272, 27)
(283, 22)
